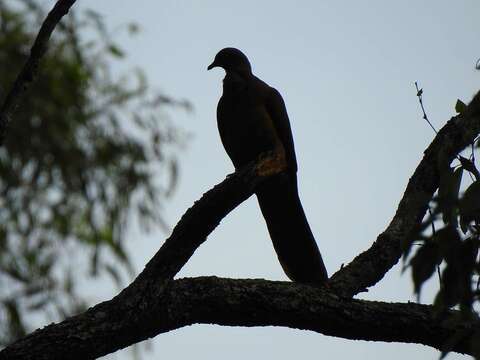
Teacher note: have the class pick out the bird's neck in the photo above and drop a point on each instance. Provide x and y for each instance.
(235, 82)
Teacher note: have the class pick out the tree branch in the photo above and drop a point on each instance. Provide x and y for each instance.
(211, 300)
(370, 266)
(29, 70)
(123, 321)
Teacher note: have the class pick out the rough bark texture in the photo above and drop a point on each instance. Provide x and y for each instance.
(29, 71)
(126, 320)
(264, 303)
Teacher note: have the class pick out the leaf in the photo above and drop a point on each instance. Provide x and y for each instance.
(456, 278)
(470, 205)
(466, 260)
(448, 241)
(416, 234)
(15, 323)
(40, 304)
(423, 264)
(133, 28)
(475, 344)
(469, 165)
(460, 106)
(448, 190)
(115, 51)
(447, 296)
(97, 20)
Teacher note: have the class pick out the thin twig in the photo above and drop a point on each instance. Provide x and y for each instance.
(425, 117)
(420, 100)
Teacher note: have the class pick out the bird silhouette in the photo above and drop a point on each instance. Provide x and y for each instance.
(252, 121)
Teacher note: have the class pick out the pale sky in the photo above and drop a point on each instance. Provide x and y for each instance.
(346, 70)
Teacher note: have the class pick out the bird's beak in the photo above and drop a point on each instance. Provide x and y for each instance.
(212, 65)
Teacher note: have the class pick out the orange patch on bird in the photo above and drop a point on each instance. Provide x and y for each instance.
(271, 163)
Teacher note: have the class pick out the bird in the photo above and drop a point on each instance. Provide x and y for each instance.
(252, 121)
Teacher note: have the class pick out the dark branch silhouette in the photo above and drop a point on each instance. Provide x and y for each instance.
(29, 70)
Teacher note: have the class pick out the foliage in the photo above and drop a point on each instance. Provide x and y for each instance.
(76, 165)
(448, 241)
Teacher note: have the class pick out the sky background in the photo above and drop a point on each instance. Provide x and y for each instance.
(346, 70)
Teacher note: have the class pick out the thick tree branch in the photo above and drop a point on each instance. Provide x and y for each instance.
(369, 267)
(29, 70)
(212, 300)
(124, 320)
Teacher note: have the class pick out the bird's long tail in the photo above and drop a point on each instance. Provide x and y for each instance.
(291, 235)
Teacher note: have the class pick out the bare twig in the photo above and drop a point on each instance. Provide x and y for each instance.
(420, 100)
(29, 70)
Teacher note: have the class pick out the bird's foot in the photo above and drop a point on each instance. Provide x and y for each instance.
(271, 163)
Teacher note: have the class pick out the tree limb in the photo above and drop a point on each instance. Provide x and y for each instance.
(230, 302)
(124, 320)
(29, 70)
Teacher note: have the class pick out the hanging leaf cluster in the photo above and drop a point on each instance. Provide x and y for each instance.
(448, 239)
(83, 157)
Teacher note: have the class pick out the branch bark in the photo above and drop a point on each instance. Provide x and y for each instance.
(29, 70)
(124, 320)
(230, 302)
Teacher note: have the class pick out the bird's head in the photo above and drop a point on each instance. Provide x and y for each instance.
(232, 61)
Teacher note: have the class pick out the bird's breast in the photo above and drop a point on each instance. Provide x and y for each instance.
(245, 127)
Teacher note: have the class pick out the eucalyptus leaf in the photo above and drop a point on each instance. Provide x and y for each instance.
(423, 264)
(470, 205)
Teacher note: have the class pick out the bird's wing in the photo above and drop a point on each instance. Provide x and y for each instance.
(278, 112)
